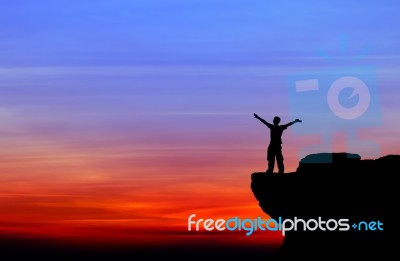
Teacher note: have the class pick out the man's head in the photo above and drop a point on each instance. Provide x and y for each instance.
(277, 120)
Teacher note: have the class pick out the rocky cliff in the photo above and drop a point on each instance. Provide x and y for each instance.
(332, 186)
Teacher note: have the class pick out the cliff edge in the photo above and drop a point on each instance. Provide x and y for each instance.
(326, 187)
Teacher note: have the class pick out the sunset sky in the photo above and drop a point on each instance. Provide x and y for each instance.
(119, 119)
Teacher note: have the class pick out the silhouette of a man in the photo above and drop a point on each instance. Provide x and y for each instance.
(275, 145)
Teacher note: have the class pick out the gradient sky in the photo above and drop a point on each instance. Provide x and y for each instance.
(121, 118)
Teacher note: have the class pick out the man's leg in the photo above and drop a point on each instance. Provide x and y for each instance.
(279, 160)
(271, 159)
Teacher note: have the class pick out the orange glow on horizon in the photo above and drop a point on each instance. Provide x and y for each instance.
(129, 194)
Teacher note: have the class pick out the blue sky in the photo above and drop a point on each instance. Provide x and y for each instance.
(189, 32)
(191, 66)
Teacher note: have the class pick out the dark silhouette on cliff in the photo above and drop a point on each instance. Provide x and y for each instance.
(344, 188)
(275, 145)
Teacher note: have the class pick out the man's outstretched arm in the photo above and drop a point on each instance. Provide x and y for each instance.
(262, 120)
(291, 123)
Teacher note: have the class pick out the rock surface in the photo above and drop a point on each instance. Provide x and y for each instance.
(332, 186)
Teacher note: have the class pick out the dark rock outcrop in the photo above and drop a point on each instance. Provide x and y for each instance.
(332, 186)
